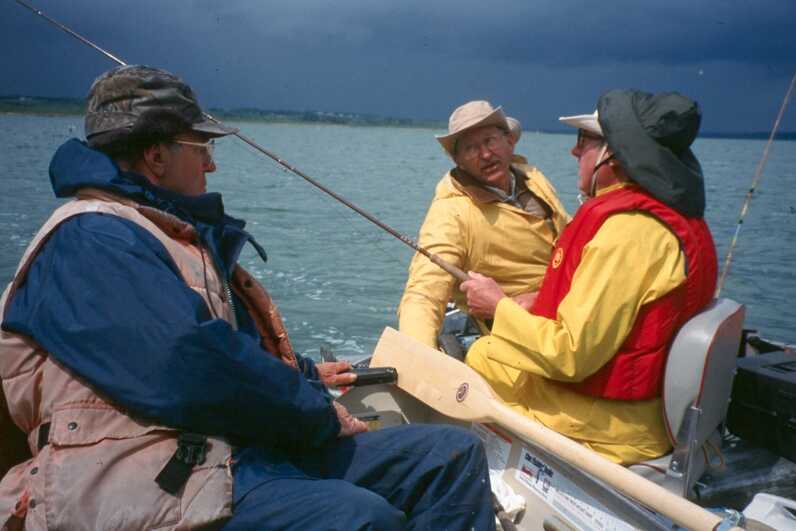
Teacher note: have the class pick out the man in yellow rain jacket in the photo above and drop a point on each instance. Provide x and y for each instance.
(634, 264)
(492, 213)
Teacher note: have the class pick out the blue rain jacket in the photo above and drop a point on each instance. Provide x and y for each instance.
(105, 299)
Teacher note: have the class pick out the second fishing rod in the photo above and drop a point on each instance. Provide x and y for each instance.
(448, 267)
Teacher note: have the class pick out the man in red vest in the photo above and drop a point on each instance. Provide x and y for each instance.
(635, 263)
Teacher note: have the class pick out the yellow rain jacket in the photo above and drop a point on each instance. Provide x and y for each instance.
(527, 353)
(469, 226)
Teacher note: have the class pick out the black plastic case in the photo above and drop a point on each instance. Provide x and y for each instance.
(763, 405)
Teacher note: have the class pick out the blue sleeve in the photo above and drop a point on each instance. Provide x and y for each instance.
(310, 372)
(308, 368)
(105, 299)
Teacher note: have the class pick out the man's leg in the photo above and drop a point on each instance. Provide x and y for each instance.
(507, 382)
(435, 474)
(301, 504)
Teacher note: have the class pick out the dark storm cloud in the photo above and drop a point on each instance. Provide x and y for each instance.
(552, 33)
(417, 58)
(577, 33)
(581, 33)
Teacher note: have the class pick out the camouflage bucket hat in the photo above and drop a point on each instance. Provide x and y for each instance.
(120, 96)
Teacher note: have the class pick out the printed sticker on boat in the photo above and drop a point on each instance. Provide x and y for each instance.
(497, 446)
(536, 475)
(580, 509)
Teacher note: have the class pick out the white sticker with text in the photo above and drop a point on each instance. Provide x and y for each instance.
(580, 509)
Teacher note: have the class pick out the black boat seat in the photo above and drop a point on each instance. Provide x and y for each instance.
(696, 393)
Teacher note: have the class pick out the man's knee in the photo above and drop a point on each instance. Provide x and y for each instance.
(458, 442)
(507, 382)
(476, 358)
(326, 504)
(369, 511)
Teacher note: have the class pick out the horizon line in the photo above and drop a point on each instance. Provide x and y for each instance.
(74, 106)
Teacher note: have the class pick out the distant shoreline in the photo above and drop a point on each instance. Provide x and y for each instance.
(74, 107)
(276, 118)
(37, 106)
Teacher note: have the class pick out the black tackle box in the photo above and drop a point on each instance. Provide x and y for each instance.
(763, 405)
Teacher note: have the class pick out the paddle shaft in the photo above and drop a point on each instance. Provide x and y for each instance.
(680, 510)
(448, 267)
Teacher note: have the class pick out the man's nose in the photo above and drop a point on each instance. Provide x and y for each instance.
(484, 151)
(210, 165)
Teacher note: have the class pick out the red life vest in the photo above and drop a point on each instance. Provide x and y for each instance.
(636, 371)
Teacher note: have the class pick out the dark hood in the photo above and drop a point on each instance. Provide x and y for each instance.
(75, 166)
(651, 136)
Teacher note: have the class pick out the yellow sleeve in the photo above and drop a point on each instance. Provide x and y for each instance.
(632, 260)
(429, 287)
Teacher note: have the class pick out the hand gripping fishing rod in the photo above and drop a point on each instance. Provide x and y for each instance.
(755, 180)
(450, 268)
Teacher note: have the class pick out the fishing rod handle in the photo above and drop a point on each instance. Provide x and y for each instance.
(375, 375)
(450, 268)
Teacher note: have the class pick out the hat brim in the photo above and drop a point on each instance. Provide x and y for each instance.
(587, 122)
(515, 128)
(496, 118)
(213, 129)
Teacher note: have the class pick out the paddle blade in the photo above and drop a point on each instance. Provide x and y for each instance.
(443, 383)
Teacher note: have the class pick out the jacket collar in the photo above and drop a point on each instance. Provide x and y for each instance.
(475, 190)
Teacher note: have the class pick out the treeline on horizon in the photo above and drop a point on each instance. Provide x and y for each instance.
(75, 106)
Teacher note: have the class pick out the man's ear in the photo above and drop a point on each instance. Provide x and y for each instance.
(155, 158)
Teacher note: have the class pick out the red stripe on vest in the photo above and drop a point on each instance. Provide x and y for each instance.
(636, 370)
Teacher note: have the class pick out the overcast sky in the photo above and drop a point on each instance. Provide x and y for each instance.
(422, 58)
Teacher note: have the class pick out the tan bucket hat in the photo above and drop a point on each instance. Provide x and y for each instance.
(478, 113)
(515, 128)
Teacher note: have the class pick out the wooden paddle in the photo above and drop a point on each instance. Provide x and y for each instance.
(457, 391)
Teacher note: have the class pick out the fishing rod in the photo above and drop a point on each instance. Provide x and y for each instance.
(448, 267)
(755, 180)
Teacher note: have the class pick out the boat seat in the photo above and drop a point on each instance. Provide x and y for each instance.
(696, 393)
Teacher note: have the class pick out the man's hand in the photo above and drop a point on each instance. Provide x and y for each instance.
(525, 300)
(336, 373)
(348, 424)
(483, 295)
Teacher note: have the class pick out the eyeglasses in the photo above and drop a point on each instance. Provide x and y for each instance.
(472, 151)
(584, 135)
(207, 147)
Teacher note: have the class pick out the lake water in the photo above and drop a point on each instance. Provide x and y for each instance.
(338, 279)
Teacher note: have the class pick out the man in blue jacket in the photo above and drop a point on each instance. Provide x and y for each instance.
(140, 358)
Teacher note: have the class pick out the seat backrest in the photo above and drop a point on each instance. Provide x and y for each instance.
(700, 369)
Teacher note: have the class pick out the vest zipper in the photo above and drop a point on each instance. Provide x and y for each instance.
(228, 293)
